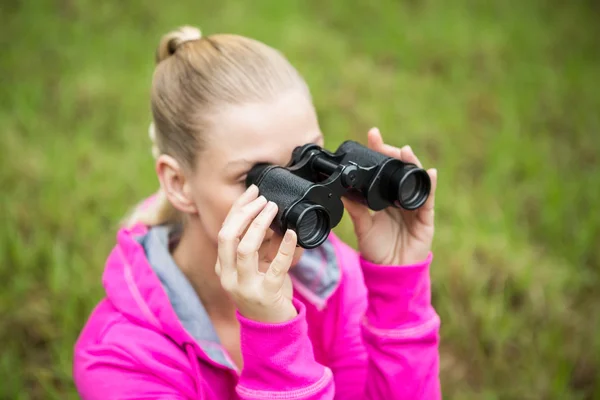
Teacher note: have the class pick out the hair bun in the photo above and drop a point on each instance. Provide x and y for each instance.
(170, 42)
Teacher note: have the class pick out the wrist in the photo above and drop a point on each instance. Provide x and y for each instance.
(285, 313)
(397, 259)
(278, 355)
(398, 297)
(282, 312)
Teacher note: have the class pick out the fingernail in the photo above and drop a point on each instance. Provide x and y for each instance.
(288, 236)
(409, 148)
(262, 199)
(434, 171)
(252, 188)
(271, 206)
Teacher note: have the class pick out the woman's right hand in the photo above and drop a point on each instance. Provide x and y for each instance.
(258, 296)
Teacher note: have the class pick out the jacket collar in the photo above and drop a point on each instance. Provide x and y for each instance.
(142, 280)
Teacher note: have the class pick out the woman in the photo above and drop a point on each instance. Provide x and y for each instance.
(204, 301)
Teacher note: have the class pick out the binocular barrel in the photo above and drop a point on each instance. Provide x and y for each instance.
(400, 184)
(303, 206)
(308, 191)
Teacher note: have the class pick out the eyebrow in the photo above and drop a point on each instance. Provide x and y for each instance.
(246, 162)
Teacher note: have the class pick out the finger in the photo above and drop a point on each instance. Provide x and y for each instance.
(376, 143)
(248, 196)
(275, 275)
(247, 250)
(360, 216)
(218, 268)
(230, 233)
(426, 213)
(374, 139)
(392, 151)
(408, 156)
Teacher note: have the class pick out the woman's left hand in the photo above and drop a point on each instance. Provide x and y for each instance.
(394, 236)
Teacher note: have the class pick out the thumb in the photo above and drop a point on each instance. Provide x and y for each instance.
(275, 275)
(360, 215)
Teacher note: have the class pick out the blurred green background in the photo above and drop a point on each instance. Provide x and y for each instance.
(502, 97)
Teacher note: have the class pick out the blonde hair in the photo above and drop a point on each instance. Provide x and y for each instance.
(193, 78)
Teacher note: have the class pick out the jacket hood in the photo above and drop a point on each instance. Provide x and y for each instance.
(142, 281)
(134, 289)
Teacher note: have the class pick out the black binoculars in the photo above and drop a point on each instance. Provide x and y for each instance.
(308, 190)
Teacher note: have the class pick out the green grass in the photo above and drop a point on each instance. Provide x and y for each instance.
(502, 98)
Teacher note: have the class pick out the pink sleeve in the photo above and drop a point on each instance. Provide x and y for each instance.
(279, 361)
(386, 344)
(388, 350)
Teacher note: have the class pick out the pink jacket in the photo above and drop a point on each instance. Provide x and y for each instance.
(363, 331)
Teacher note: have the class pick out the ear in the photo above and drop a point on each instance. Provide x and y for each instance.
(175, 184)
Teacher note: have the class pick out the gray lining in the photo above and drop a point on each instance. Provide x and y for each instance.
(317, 270)
(183, 298)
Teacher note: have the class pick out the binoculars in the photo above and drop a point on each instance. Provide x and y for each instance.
(308, 190)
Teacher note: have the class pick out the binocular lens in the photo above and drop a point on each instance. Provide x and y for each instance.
(408, 188)
(413, 186)
(311, 223)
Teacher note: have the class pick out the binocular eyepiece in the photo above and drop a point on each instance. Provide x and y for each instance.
(308, 190)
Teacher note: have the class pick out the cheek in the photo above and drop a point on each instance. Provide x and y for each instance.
(214, 205)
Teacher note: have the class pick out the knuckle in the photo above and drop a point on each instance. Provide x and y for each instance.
(285, 252)
(225, 236)
(276, 269)
(244, 251)
(259, 224)
(280, 265)
(245, 210)
(228, 285)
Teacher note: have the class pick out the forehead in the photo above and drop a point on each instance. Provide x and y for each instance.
(263, 131)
